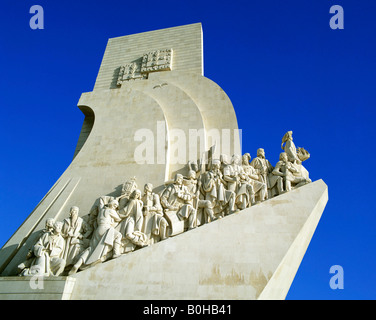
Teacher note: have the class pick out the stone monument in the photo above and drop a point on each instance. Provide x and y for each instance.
(159, 202)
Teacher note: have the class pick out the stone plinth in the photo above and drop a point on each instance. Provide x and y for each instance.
(36, 288)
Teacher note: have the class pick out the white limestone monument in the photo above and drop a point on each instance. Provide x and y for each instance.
(159, 202)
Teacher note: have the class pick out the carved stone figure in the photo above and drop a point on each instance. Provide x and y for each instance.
(176, 197)
(223, 158)
(49, 226)
(203, 205)
(295, 155)
(105, 238)
(278, 175)
(213, 187)
(263, 168)
(75, 231)
(133, 219)
(48, 253)
(154, 222)
(194, 166)
(30, 257)
(127, 188)
(287, 175)
(231, 173)
(126, 191)
(245, 196)
(289, 147)
(259, 188)
(237, 182)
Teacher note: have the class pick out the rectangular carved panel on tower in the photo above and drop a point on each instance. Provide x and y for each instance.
(130, 71)
(158, 60)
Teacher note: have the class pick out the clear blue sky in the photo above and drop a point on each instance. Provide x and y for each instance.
(280, 63)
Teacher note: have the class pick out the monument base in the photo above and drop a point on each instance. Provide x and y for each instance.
(36, 288)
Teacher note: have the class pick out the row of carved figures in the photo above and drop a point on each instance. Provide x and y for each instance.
(118, 225)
